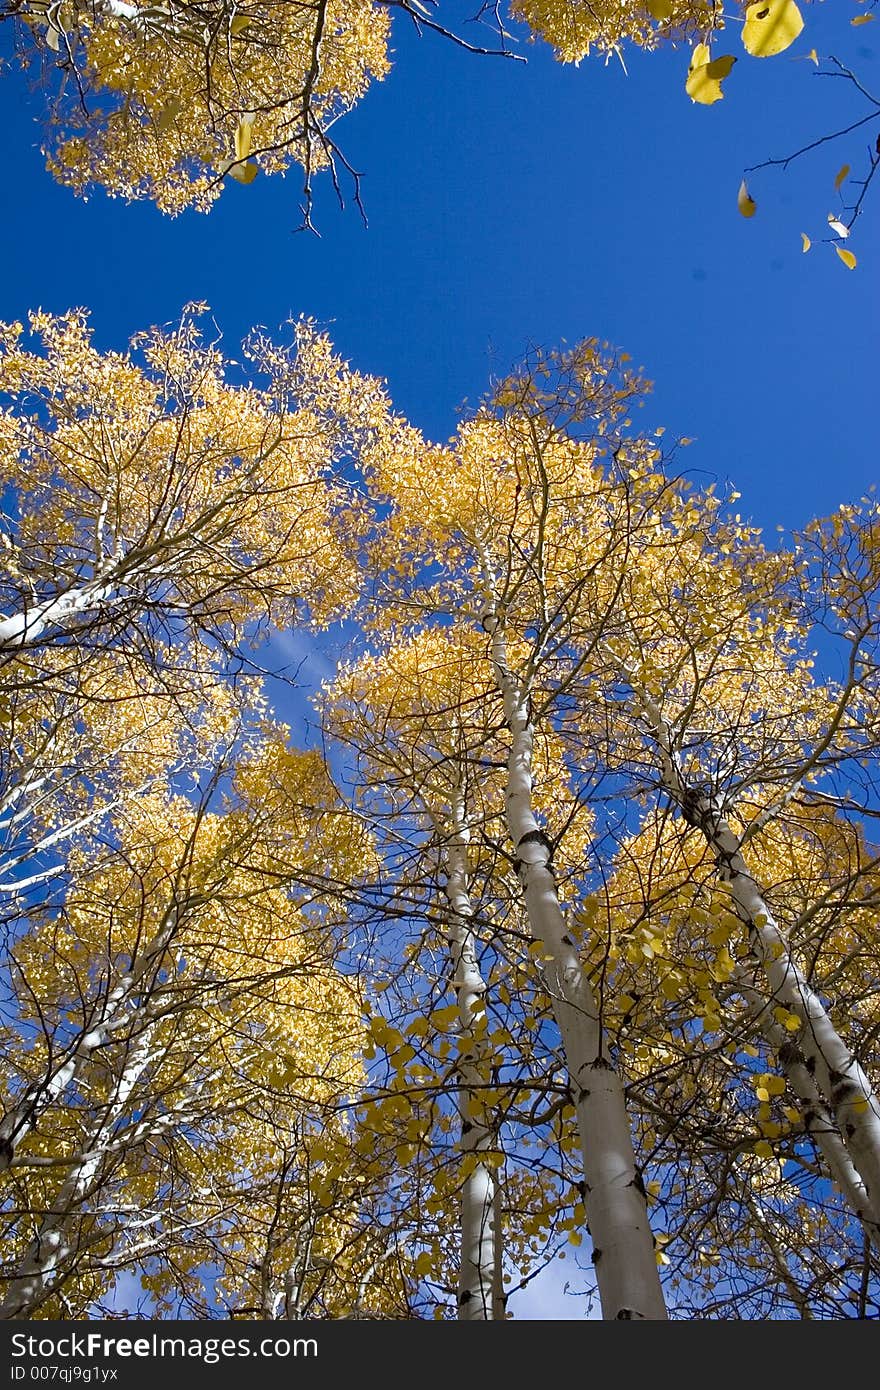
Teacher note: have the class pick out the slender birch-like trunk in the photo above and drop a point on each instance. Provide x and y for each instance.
(56, 1239)
(21, 1118)
(29, 626)
(623, 1246)
(817, 1121)
(841, 1079)
(480, 1295)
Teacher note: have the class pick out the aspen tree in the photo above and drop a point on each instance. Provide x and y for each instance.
(648, 628)
(158, 520)
(435, 760)
(187, 1036)
(529, 531)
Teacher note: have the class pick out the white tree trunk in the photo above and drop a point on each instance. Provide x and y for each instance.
(844, 1084)
(21, 1118)
(623, 1246)
(817, 1122)
(56, 1239)
(25, 628)
(480, 1297)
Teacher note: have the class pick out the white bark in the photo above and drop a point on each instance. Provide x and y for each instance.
(57, 1238)
(56, 837)
(817, 1121)
(22, 1117)
(480, 1298)
(29, 626)
(623, 1246)
(844, 1084)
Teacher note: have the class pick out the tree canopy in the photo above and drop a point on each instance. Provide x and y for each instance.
(562, 936)
(545, 925)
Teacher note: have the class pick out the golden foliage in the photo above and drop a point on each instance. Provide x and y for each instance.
(175, 100)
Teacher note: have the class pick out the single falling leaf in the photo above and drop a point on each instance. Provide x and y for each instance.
(706, 74)
(242, 172)
(847, 257)
(813, 56)
(745, 202)
(839, 228)
(862, 19)
(243, 136)
(841, 175)
(806, 240)
(771, 26)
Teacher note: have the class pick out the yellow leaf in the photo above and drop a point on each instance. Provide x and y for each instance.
(245, 173)
(243, 136)
(706, 74)
(841, 175)
(762, 1093)
(771, 26)
(575, 1238)
(745, 202)
(168, 114)
(762, 1149)
(813, 56)
(862, 19)
(659, 9)
(424, 1263)
(806, 240)
(239, 23)
(445, 1017)
(847, 257)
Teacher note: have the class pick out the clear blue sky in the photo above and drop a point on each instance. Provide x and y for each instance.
(513, 204)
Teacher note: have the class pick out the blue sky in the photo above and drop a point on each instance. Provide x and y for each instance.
(516, 204)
